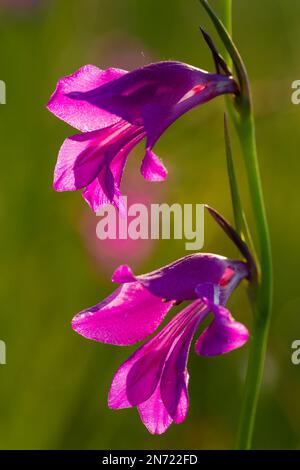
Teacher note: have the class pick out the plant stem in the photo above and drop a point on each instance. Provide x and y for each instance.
(226, 14)
(262, 292)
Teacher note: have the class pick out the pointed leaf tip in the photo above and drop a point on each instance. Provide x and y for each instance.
(245, 98)
(237, 240)
(220, 63)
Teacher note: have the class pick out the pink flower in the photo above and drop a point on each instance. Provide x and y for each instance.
(155, 378)
(115, 110)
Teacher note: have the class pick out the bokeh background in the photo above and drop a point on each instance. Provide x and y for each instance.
(54, 386)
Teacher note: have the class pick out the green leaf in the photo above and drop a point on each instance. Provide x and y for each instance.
(240, 220)
(237, 240)
(221, 66)
(239, 215)
(234, 54)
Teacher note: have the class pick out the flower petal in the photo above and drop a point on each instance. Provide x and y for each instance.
(81, 114)
(173, 385)
(159, 116)
(95, 194)
(106, 188)
(79, 161)
(207, 290)
(128, 315)
(154, 414)
(223, 335)
(144, 374)
(174, 380)
(96, 160)
(178, 280)
(183, 401)
(161, 83)
(103, 190)
(123, 274)
(152, 168)
(160, 86)
(137, 378)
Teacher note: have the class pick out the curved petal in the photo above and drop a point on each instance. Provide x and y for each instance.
(223, 335)
(95, 194)
(178, 280)
(105, 189)
(129, 315)
(96, 160)
(162, 83)
(123, 274)
(174, 380)
(152, 167)
(81, 114)
(137, 378)
(154, 414)
(207, 290)
(144, 374)
(79, 161)
(183, 401)
(159, 116)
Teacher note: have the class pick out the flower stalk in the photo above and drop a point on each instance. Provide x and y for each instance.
(226, 14)
(261, 290)
(261, 298)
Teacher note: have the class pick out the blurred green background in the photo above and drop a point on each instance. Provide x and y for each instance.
(54, 386)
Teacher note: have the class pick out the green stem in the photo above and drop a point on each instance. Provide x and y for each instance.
(253, 382)
(261, 293)
(226, 15)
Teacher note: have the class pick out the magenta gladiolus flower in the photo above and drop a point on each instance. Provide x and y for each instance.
(155, 378)
(115, 110)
